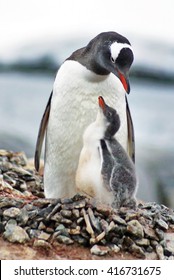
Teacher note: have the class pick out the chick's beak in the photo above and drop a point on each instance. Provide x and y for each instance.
(101, 103)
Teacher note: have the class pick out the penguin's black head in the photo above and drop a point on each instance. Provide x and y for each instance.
(112, 120)
(110, 52)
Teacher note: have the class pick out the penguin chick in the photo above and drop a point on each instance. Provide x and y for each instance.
(118, 171)
(105, 171)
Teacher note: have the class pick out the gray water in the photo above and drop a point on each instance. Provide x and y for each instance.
(23, 99)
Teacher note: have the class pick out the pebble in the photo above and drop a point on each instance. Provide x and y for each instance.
(42, 243)
(41, 226)
(15, 234)
(64, 239)
(99, 250)
(162, 224)
(142, 242)
(160, 252)
(79, 239)
(118, 220)
(76, 213)
(44, 236)
(137, 251)
(135, 228)
(150, 233)
(114, 248)
(169, 239)
(12, 212)
(66, 213)
(159, 233)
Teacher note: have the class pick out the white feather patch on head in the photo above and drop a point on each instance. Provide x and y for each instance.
(116, 48)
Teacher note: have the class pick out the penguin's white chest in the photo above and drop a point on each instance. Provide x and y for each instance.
(74, 106)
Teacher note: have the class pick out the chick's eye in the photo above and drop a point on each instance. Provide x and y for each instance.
(109, 114)
(112, 60)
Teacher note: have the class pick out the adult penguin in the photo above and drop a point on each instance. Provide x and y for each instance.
(99, 69)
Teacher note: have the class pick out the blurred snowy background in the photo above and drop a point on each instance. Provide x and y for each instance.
(36, 37)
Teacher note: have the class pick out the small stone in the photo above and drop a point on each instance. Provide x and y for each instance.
(150, 233)
(171, 218)
(49, 230)
(62, 230)
(112, 226)
(137, 251)
(116, 240)
(66, 213)
(162, 224)
(149, 249)
(12, 212)
(104, 210)
(135, 228)
(23, 217)
(114, 248)
(41, 226)
(74, 231)
(142, 242)
(23, 186)
(79, 204)
(159, 233)
(127, 241)
(8, 202)
(153, 243)
(33, 233)
(64, 239)
(99, 250)
(66, 221)
(120, 230)
(76, 213)
(169, 239)
(160, 252)
(44, 236)
(60, 227)
(118, 220)
(15, 234)
(42, 243)
(79, 239)
(131, 216)
(56, 217)
(68, 206)
(66, 200)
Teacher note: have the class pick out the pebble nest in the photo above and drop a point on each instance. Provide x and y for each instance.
(25, 215)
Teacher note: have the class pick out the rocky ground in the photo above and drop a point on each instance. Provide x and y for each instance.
(32, 227)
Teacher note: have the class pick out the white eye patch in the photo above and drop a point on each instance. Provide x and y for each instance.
(116, 48)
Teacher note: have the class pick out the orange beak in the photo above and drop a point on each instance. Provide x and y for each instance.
(124, 82)
(101, 102)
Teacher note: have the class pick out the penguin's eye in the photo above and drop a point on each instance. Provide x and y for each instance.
(112, 60)
(109, 115)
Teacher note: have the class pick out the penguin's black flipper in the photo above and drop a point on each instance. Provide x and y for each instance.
(41, 133)
(131, 136)
(107, 164)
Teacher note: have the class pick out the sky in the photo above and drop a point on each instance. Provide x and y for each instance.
(23, 21)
